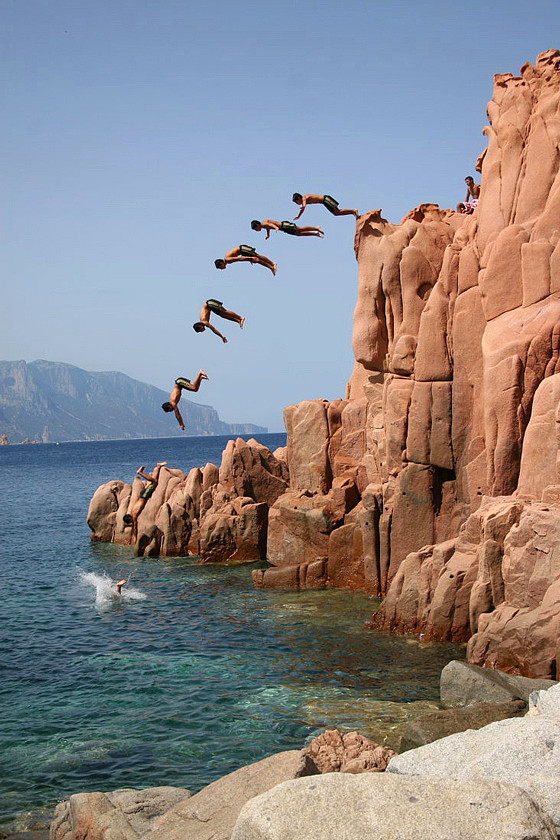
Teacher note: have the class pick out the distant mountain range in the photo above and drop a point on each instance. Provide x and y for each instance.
(54, 401)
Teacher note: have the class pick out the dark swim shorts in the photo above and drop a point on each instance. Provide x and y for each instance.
(215, 305)
(148, 491)
(247, 251)
(288, 227)
(182, 382)
(330, 203)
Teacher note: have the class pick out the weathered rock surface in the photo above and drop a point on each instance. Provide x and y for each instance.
(462, 684)
(219, 514)
(436, 482)
(333, 752)
(497, 586)
(545, 702)
(124, 814)
(435, 725)
(376, 806)
(211, 813)
(519, 751)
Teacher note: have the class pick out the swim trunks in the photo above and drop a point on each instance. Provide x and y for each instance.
(182, 382)
(472, 205)
(147, 492)
(330, 203)
(215, 306)
(288, 227)
(247, 251)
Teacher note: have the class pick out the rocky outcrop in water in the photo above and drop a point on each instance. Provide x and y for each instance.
(436, 482)
(219, 514)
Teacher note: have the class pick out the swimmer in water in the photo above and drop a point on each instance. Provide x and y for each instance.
(120, 585)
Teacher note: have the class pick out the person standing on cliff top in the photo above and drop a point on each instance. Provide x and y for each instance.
(217, 307)
(145, 494)
(473, 191)
(326, 200)
(286, 227)
(182, 384)
(245, 253)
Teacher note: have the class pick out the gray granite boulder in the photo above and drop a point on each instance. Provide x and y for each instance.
(211, 813)
(375, 806)
(439, 724)
(545, 702)
(462, 684)
(124, 814)
(521, 751)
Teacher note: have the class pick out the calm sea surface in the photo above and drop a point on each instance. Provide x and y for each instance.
(191, 676)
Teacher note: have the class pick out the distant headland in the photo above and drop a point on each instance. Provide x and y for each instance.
(44, 401)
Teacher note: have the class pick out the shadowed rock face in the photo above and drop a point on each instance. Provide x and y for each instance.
(436, 482)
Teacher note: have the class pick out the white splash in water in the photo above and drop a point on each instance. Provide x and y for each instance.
(106, 589)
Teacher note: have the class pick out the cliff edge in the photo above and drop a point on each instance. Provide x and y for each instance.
(436, 482)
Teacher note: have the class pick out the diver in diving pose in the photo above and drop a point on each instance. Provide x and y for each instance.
(326, 200)
(181, 383)
(286, 227)
(245, 253)
(217, 307)
(145, 494)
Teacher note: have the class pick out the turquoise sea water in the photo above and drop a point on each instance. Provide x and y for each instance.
(193, 674)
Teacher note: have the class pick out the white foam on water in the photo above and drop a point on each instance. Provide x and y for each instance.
(106, 589)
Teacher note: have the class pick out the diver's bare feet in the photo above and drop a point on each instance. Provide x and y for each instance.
(203, 374)
(141, 469)
(320, 232)
(242, 322)
(162, 463)
(273, 269)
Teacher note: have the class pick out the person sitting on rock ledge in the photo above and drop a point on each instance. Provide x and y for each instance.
(286, 227)
(245, 253)
(145, 494)
(326, 200)
(473, 191)
(181, 383)
(217, 307)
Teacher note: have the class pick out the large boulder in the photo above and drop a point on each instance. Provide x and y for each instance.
(335, 752)
(462, 684)
(375, 806)
(250, 469)
(439, 724)
(211, 813)
(103, 514)
(520, 751)
(124, 814)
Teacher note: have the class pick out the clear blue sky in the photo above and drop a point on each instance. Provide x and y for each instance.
(140, 138)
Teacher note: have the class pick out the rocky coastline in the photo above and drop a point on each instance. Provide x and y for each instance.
(346, 781)
(435, 485)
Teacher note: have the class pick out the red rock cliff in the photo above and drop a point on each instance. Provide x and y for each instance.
(436, 483)
(453, 402)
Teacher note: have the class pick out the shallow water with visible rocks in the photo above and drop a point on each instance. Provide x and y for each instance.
(192, 675)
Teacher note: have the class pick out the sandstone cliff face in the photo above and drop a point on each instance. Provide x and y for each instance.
(436, 482)
(453, 400)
